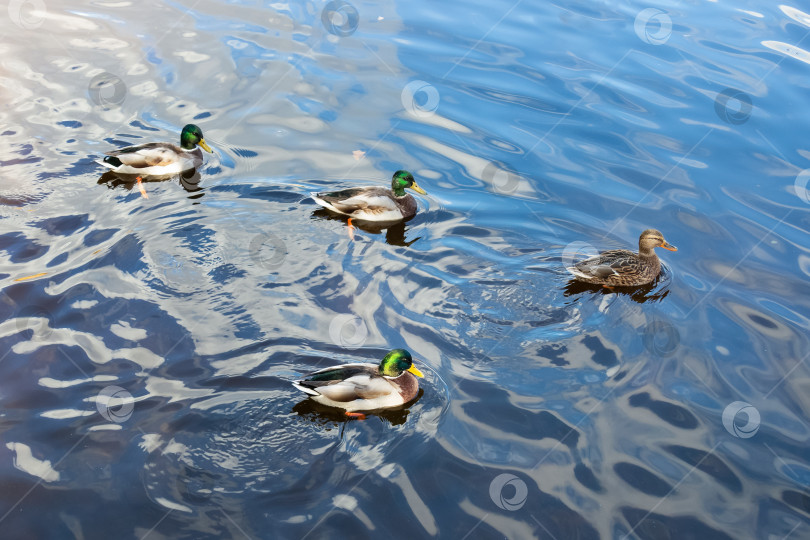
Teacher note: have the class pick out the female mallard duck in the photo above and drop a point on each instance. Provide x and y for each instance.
(160, 159)
(365, 387)
(623, 268)
(374, 203)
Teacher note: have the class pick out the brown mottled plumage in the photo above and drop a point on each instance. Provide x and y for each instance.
(623, 268)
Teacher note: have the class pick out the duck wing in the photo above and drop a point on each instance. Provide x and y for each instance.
(615, 262)
(148, 155)
(346, 383)
(371, 199)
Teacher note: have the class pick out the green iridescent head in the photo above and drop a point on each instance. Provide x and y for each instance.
(396, 362)
(403, 180)
(191, 137)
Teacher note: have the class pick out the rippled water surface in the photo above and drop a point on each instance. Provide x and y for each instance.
(541, 131)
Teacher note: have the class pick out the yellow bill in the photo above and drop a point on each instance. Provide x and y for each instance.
(418, 189)
(205, 146)
(415, 371)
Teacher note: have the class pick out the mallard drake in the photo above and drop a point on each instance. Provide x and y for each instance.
(160, 159)
(365, 387)
(623, 268)
(374, 203)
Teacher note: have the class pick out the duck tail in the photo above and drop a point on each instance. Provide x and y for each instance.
(110, 161)
(316, 196)
(304, 389)
(576, 272)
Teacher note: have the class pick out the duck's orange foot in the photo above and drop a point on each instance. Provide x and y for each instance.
(141, 188)
(358, 415)
(351, 229)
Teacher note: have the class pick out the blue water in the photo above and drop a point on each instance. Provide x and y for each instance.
(147, 340)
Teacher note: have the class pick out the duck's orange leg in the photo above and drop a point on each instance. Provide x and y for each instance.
(351, 229)
(358, 415)
(141, 188)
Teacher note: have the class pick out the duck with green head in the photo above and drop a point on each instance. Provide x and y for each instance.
(365, 387)
(160, 158)
(374, 203)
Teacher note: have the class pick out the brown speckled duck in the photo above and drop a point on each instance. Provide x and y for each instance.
(623, 268)
(365, 387)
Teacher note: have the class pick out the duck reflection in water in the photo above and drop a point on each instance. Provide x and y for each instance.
(189, 180)
(394, 230)
(655, 291)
